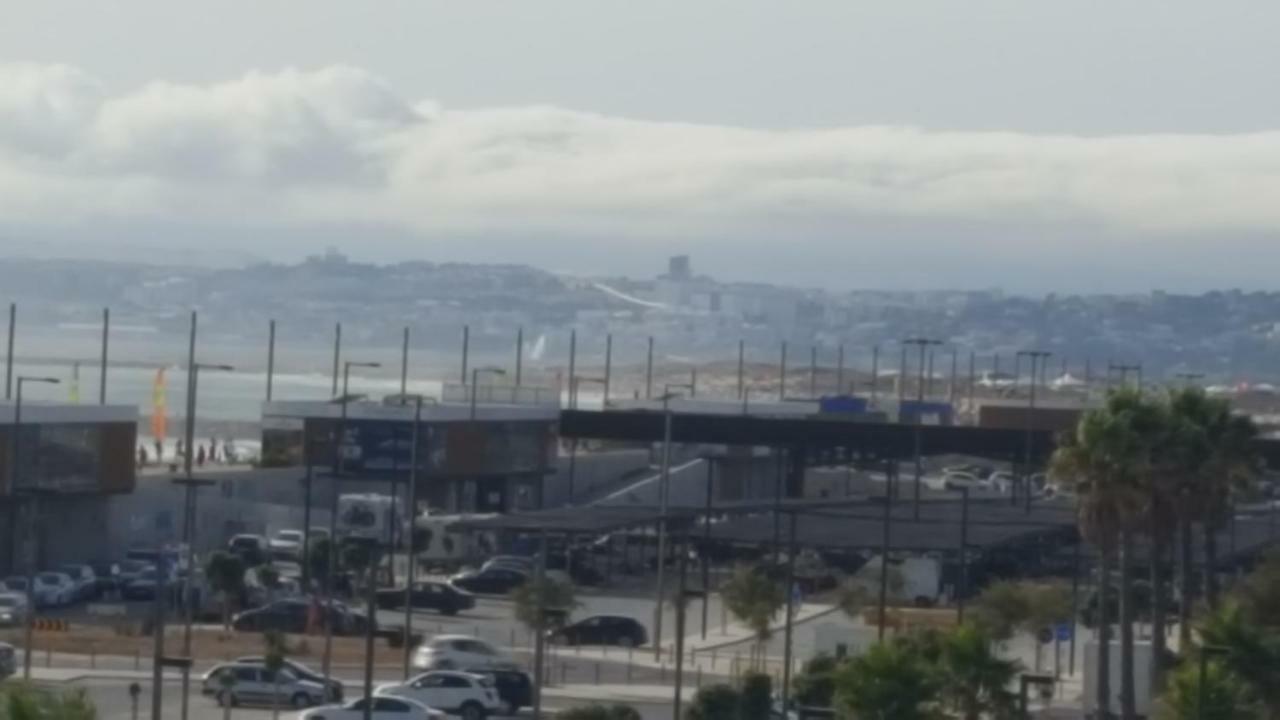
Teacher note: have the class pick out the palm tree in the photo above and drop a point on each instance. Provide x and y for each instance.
(1183, 454)
(1249, 653)
(889, 682)
(226, 576)
(1107, 458)
(974, 679)
(754, 598)
(1229, 468)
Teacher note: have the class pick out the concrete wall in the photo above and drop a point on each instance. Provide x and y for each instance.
(592, 473)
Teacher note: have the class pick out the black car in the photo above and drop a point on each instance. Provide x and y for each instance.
(494, 581)
(291, 616)
(603, 630)
(515, 687)
(302, 672)
(441, 597)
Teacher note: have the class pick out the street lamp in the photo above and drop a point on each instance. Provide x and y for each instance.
(344, 400)
(413, 516)
(1035, 356)
(34, 494)
(475, 376)
(923, 344)
(190, 484)
(663, 482)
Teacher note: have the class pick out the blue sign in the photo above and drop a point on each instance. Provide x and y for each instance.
(1063, 631)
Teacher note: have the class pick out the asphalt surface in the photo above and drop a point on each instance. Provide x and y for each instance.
(111, 697)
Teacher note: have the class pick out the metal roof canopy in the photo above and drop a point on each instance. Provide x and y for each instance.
(879, 439)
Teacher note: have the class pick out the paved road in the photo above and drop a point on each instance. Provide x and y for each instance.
(112, 700)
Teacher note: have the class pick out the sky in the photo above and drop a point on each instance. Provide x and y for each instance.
(1038, 147)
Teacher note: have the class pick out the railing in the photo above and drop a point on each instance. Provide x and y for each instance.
(501, 395)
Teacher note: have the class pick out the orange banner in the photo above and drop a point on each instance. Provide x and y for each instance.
(159, 419)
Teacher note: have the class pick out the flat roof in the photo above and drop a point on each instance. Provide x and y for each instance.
(37, 413)
(282, 411)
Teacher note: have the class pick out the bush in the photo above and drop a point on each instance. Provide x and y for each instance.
(815, 685)
(714, 702)
(756, 699)
(600, 712)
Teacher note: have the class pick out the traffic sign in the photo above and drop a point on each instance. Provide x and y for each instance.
(1063, 631)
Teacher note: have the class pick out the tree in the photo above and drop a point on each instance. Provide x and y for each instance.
(1107, 459)
(754, 597)
(714, 702)
(1259, 594)
(20, 701)
(1229, 468)
(889, 682)
(226, 576)
(273, 660)
(974, 680)
(1225, 697)
(600, 712)
(755, 700)
(1251, 654)
(557, 602)
(815, 684)
(1006, 607)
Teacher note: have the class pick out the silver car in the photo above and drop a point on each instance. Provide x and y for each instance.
(13, 609)
(8, 660)
(233, 684)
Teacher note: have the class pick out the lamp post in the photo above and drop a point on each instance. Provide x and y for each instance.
(413, 516)
(574, 382)
(34, 494)
(923, 344)
(190, 484)
(663, 482)
(475, 388)
(1035, 356)
(344, 400)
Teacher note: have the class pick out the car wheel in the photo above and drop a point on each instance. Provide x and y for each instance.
(227, 699)
(472, 711)
(301, 700)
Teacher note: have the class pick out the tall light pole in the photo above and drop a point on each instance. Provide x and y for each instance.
(14, 467)
(664, 480)
(924, 344)
(574, 382)
(1035, 357)
(190, 484)
(344, 399)
(413, 517)
(475, 387)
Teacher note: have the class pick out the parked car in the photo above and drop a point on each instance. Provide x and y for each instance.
(291, 615)
(143, 586)
(603, 630)
(515, 687)
(13, 609)
(286, 545)
(384, 708)
(457, 693)
(84, 580)
(106, 578)
(494, 581)
(441, 597)
(15, 584)
(53, 589)
(8, 660)
(252, 549)
(514, 562)
(129, 570)
(255, 685)
(302, 672)
(448, 652)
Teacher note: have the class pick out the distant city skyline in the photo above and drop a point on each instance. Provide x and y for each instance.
(911, 145)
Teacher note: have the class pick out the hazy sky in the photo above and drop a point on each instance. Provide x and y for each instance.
(1031, 145)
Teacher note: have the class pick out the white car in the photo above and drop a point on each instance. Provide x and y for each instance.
(471, 696)
(13, 609)
(53, 589)
(384, 708)
(959, 480)
(1002, 481)
(286, 545)
(448, 652)
(84, 579)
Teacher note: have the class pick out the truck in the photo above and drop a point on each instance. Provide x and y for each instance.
(912, 581)
(367, 515)
(438, 545)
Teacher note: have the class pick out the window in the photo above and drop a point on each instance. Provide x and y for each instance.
(431, 681)
(390, 705)
(455, 681)
(244, 674)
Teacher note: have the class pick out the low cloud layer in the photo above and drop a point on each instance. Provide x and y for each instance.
(338, 146)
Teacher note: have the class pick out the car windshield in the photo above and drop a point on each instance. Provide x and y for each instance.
(49, 578)
(289, 535)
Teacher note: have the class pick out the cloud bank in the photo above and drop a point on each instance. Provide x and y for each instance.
(338, 145)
